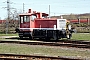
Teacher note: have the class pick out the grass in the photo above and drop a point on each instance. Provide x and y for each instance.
(8, 34)
(43, 50)
(81, 36)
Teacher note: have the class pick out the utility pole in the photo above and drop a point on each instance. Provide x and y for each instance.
(23, 7)
(54, 14)
(49, 11)
(8, 15)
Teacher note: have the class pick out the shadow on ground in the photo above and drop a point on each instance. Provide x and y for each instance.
(51, 40)
(60, 40)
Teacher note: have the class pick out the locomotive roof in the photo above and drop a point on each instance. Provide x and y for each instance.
(43, 14)
(46, 19)
(25, 14)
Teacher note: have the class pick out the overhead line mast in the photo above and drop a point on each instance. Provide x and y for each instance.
(8, 13)
(49, 11)
(23, 7)
(8, 16)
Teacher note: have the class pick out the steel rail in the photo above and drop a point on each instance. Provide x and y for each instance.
(63, 44)
(32, 57)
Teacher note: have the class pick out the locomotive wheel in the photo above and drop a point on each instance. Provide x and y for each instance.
(30, 37)
(21, 37)
(47, 38)
(55, 37)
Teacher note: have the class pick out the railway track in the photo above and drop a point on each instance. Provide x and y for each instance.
(63, 43)
(32, 57)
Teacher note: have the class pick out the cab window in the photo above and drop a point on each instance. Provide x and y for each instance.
(25, 19)
(21, 19)
(33, 17)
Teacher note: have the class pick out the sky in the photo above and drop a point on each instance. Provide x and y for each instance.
(57, 7)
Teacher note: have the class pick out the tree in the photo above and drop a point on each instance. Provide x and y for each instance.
(12, 22)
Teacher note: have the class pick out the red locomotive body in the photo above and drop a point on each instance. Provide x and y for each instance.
(38, 25)
(45, 23)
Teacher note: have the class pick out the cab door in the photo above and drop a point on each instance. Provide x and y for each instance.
(24, 21)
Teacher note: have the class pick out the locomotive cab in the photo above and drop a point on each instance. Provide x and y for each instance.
(24, 30)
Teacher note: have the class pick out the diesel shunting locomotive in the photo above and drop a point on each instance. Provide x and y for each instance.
(38, 25)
